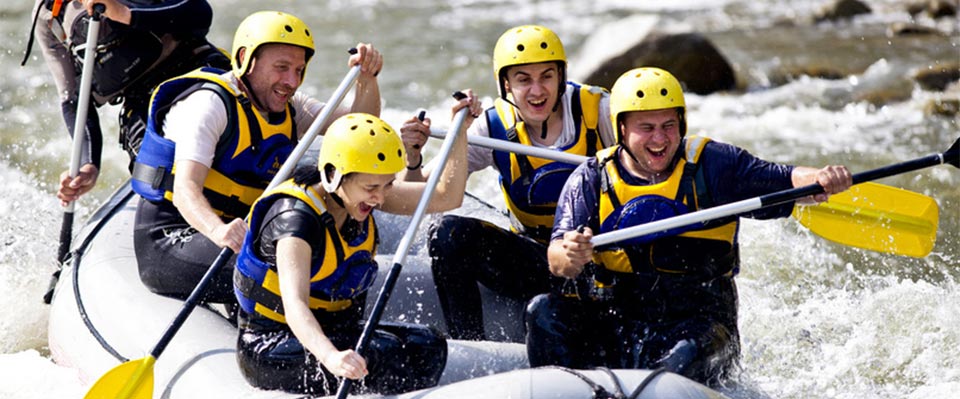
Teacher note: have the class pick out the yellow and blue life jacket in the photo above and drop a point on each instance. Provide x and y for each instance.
(530, 185)
(702, 250)
(250, 151)
(346, 270)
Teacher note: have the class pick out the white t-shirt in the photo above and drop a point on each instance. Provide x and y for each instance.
(196, 122)
(479, 157)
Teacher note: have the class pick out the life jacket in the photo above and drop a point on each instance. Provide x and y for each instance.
(702, 250)
(124, 55)
(346, 270)
(530, 185)
(249, 153)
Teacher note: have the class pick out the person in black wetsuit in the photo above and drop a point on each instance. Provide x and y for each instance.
(142, 43)
(308, 261)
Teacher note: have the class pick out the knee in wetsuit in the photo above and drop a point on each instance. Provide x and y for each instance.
(405, 357)
(553, 329)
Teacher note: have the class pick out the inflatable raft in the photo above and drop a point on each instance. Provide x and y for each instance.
(102, 315)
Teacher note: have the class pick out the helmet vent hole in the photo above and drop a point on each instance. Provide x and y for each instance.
(307, 32)
(663, 92)
(399, 153)
(381, 157)
(543, 45)
(639, 93)
(354, 127)
(372, 133)
(520, 47)
(288, 28)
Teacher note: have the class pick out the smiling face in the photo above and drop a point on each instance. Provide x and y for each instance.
(275, 74)
(653, 137)
(535, 89)
(362, 192)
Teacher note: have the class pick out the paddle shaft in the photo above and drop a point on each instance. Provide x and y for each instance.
(79, 124)
(951, 156)
(529, 150)
(404, 246)
(285, 171)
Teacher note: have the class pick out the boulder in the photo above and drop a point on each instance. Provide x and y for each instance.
(841, 10)
(949, 107)
(911, 29)
(934, 8)
(691, 57)
(938, 78)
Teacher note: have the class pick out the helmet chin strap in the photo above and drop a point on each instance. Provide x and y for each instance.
(630, 153)
(336, 198)
(543, 127)
(251, 94)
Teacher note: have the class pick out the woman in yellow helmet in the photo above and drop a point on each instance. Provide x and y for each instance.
(537, 106)
(308, 261)
(215, 139)
(666, 300)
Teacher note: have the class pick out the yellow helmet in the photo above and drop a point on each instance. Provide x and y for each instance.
(268, 27)
(361, 143)
(646, 89)
(527, 44)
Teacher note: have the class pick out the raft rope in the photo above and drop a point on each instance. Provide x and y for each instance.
(117, 201)
(485, 203)
(599, 392)
(646, 381)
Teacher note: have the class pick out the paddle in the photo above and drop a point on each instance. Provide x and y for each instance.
(523, 149)
(79, 126)
(875, 216)
(134, 379)
(405, 242)
(951, 156)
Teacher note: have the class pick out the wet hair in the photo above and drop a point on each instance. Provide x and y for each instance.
(306, 175)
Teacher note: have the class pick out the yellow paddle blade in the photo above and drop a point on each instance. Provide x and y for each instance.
(130, 380)
(876, 217)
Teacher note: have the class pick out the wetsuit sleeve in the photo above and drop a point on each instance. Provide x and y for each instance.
(734, 174)
(66, 76)
(578, 202)
(284, 219)
(183, 18)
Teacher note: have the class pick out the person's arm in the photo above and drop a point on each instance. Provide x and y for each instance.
(196, 210)
(171, 16)
(734, 174)
(415, 133)
(404, 196)
(570, 248)
(59, 61)
(568, 255)
(367, 93)
(293, 270)
(195, 124)
(834, 179)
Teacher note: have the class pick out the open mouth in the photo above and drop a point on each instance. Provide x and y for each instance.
(538, 104)
(658, 152)
(365, 208)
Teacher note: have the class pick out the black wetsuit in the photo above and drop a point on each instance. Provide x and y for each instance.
(400, 357)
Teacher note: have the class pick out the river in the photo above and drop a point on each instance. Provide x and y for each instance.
(817, 319)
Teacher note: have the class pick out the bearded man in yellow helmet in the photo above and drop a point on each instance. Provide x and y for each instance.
(665, 300)
(537, 106)
(214, 141)
(308, 260)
